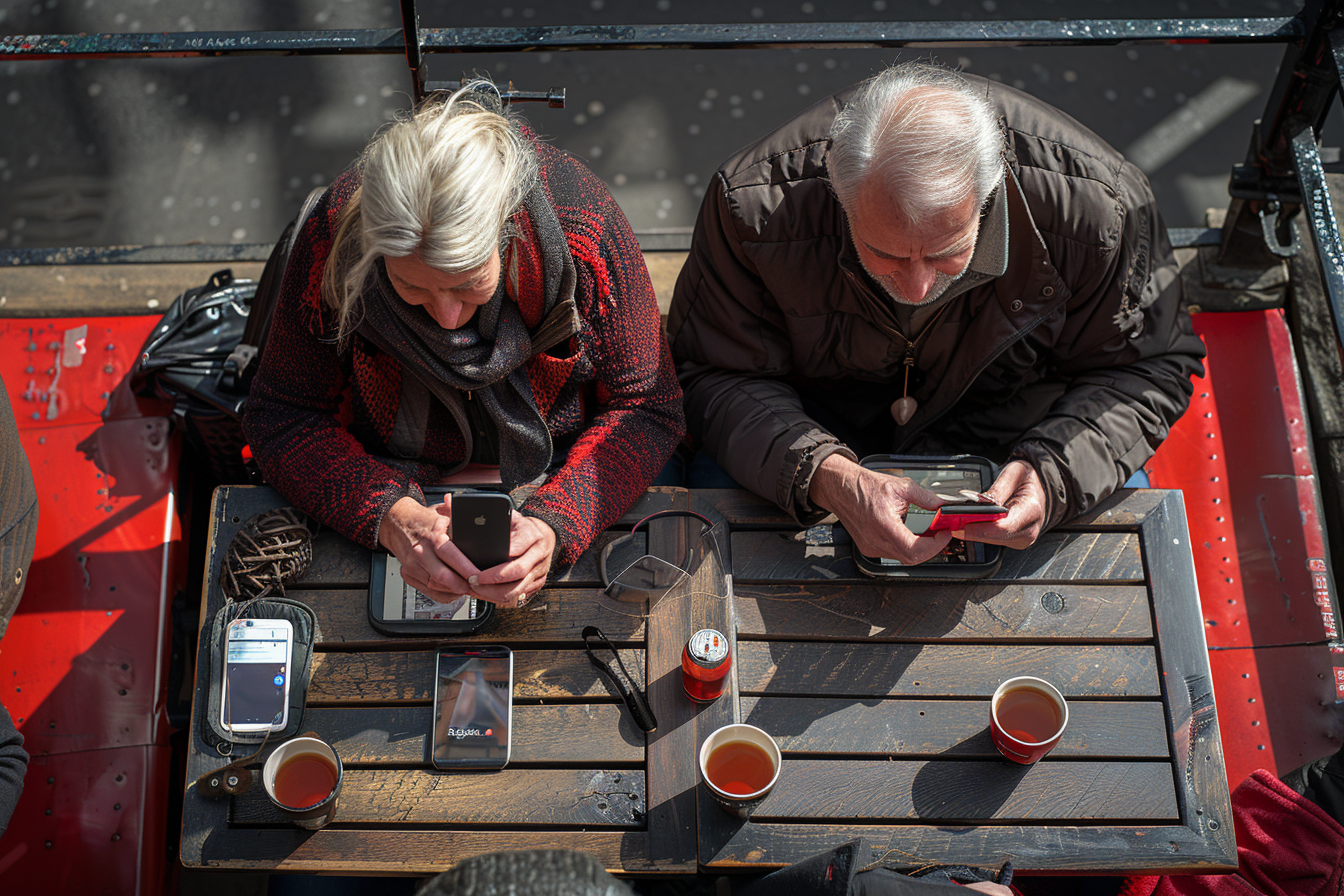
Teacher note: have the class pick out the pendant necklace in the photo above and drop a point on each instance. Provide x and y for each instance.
(903, 408)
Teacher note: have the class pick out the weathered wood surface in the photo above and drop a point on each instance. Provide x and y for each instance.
(400, 735)
(105, 290)
(1092, 849)
(701, 601)
(1191, 713)
(406, 676)
(399, 851)
(513, 796)
(972, 792)
(781, 668)
(553, 614)
(945, 728)
(765, 556)
(877, 612)
(877, 692)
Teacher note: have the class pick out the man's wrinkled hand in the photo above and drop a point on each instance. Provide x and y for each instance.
(872, 507)
(1019, 489)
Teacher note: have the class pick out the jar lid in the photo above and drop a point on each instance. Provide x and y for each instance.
(708, 646)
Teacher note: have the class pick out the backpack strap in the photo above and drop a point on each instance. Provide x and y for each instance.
(243, 361)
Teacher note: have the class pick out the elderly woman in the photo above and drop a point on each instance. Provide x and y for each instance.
(465, 294)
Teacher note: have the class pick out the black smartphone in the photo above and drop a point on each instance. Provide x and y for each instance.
(480, 527)
(953, 478)
(395, 608)
(473, 707)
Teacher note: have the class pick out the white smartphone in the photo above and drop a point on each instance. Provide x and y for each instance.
(258, 654)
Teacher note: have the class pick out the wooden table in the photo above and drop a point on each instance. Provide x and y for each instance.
(877, 693)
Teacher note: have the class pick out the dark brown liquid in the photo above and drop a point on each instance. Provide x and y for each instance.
(739, 767)
(1028, 715)
(304, 780)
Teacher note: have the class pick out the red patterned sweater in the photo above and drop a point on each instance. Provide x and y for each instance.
(319, 418)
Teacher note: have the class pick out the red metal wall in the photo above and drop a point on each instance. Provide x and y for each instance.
(1241, 456)
(83, 666)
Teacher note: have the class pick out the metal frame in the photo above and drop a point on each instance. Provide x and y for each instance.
(1281, 174)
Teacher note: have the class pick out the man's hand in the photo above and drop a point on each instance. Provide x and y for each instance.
(513, 582)
(991, 888)
(872, 508)
(1019, 489)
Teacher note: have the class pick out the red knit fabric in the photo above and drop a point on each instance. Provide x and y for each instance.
(611, 390)
(1286, 846)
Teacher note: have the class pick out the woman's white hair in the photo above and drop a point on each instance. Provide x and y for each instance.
(923, 135)
(439, 183)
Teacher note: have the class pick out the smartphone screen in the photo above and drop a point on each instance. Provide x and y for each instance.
(256, 675)
(473, 707)
(947, 481)
(401, 602)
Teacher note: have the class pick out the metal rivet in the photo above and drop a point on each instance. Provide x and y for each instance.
(116, 836)
(116, 807)
(1053, 602)
(233, 780)
(1213, 824)
(1048, 291)
(1016, 305)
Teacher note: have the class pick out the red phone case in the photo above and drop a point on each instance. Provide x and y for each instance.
(958, 516)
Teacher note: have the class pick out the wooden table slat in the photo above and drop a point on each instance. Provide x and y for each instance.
(943, 791)
(1087, 849)
(877, 612)
(861, 669)
(514, 796)
(767, 556)
(553, 614)
(409, 675)
(400, 735)
(392, 851)
(948, 727)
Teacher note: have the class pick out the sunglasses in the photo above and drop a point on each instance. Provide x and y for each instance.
(635, 567)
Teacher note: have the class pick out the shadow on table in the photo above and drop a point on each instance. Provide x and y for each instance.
(841, 664)
(940, 789)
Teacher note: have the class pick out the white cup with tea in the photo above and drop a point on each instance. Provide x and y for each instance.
(739, 765)
(303, 779)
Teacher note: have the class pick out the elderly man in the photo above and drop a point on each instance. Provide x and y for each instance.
(931, 264)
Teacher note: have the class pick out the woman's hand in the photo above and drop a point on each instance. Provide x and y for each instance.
(513, 582)
(872, 508)
(1018, 489)
(418, 537)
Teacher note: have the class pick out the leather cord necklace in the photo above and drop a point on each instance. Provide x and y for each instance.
(903, 408)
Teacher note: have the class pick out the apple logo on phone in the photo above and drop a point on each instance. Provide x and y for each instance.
(480, 521)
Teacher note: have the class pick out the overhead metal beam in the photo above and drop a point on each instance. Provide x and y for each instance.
(1014, 33)
(1321, 218)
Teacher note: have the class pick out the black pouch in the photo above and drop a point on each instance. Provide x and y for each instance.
(306, 634)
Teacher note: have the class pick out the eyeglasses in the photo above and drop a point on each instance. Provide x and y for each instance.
(634, 569)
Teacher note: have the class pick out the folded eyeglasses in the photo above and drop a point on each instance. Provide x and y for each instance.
(635, 568)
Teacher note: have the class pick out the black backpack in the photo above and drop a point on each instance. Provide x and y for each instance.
(205, 351)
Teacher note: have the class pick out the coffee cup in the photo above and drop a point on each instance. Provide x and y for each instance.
(303, 779)
(1027, 716)
(739, 765)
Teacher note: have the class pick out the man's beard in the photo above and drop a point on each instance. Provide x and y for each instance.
(940, 285)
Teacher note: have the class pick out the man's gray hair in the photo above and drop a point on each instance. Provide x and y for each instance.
(440, 184)
(927, 136)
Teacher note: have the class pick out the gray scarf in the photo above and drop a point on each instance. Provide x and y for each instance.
(487, 357)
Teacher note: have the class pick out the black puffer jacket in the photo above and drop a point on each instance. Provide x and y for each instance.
(1078, 357)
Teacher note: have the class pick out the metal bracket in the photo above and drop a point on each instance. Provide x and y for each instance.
(1276, 224)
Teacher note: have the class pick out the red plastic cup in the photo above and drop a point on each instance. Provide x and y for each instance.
(1026, 718)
